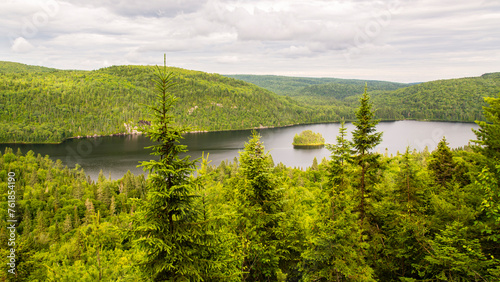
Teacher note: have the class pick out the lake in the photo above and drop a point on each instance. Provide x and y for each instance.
(117, 154)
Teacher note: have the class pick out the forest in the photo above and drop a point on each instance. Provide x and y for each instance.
(442, 100)
(52, 105)
(357, 216)
(44, 105)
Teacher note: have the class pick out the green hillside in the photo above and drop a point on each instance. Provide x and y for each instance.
(41, 106)
(11, 67)
(300, 86)
(449, 100)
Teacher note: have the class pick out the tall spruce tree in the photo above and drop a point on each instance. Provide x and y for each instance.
(336, 251)
(166, 220)
(365, 138)
(259, 210)
(341, 154)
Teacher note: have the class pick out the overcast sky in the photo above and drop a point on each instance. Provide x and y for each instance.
(394, 40)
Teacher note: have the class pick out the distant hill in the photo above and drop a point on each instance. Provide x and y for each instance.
(39, 104)
(299, 86)
(44, 105)
(11, 67)
(449, 100)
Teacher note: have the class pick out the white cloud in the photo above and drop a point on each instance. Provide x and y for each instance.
(149, 8)
(21, 45)
(392, 37)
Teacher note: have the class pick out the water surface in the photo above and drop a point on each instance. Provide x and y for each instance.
(117, 154)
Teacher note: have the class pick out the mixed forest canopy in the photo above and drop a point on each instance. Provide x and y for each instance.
(442, 100)
(357, 216)
(41, 105)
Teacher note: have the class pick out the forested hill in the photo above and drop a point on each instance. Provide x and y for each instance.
(46, 105)
(447, 100)
(39, 104)
(11, 67)
(299, 86)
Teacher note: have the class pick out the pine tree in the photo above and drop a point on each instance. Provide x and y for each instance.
(365, 138)
(167, 220)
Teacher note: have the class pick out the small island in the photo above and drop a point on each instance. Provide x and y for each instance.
(308, 140)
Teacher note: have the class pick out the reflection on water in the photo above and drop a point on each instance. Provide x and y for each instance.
(117, 154)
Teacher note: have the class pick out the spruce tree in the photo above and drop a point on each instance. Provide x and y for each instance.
(336, 250)
(488, 134)
(441, 163)
(341, 155)
(259, 209)
(166, 220)
(365, 138)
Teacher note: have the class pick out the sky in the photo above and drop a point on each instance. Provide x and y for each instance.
(392, 40)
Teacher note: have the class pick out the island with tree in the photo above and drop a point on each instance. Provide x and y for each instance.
(308, 139)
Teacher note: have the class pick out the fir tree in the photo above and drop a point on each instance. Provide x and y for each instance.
(365, 138)
(341, 155)
(259, 208)
(488, 134)
(336, 250)
(441, 163)
(166, 219)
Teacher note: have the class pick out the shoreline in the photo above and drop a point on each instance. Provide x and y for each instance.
(207, 131)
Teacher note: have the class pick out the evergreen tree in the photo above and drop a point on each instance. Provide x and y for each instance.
(441, 163)
(336, 250)
(259, 208)
(488, 134)
(166, 220)
(341, 155)
(365, 138)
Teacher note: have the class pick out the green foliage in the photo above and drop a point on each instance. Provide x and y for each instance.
(441, 163)
(429, 217)
(170, 231)
(488, 134)
(54, 241)
(309, 86)
(448, 100)
(43, 105)
(259, 206)
(308, 138)
(365, 138)
(38, 106)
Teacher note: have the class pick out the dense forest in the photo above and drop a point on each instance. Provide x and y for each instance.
(357, 216)
(41, 105)
(442, 100)
(296, 86)
(51, 105)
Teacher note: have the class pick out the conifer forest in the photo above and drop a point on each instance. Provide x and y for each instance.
(356, 216)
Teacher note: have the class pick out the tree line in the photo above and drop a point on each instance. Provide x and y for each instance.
(43, 105)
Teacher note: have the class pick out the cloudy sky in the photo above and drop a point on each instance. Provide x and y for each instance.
(394, 40)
